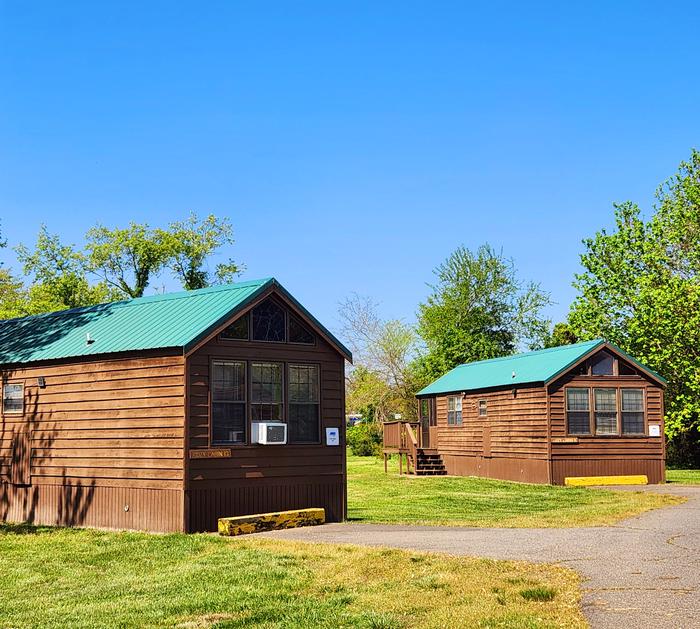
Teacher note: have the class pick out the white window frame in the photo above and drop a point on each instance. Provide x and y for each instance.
(4, 397)
(454, 413)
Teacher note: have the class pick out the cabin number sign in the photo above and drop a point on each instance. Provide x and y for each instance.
(212, 453)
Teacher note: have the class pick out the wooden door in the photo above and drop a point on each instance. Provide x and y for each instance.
(428, 423)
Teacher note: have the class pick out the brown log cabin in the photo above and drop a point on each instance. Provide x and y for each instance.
(581, 410)
(164, 413)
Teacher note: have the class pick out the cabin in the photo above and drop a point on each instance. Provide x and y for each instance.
(581, 410)
(165, 413)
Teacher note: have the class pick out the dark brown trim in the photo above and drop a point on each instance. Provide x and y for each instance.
(280, 297)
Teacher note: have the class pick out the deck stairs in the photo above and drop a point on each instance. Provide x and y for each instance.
(429, 463)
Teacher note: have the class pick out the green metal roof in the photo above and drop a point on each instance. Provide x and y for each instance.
(541, 366)
(173, 320)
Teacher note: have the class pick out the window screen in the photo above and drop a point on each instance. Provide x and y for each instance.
(602, 364)
(578, 416)
(238, 330)
(269, 322)
(605, 411)
(299, 333)
(228, 402)
(454, 411)
(13, 398)
(632, 411)
(304, 403)
(266, 392)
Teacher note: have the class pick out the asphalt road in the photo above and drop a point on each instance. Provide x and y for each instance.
(642, 572)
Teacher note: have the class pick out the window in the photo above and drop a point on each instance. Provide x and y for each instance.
(238, 330)
(266, 392)
(269, 322)
(299, 333)
(304, 403)
(605, 401)
(482, 408)
(228, 402)
(578, 415)
(13, 398)
(632, 411)
(425, 409)
(625, 370)
(602, 364)
(454, 411)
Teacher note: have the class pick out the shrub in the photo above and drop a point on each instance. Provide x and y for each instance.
(365, 439)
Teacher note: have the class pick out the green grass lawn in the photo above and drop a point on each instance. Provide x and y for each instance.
(683, 477)
(82, 578)
(464, 501)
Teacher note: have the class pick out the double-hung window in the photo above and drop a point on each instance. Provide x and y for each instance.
(578, 411)
(266, 398)
(605, 401)
(632, 404)
(228, 401)
(454, 411)
(13, 398)
(304, 404)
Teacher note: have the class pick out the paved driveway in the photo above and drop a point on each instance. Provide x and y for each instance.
(642, 572)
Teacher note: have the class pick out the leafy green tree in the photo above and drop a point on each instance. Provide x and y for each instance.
(640, 289)
(58, 274)
(479, 309)
(127, 258)
(191, 242)
(561, 334)
(13, 296)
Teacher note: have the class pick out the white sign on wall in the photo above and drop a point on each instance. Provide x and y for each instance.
(654, 430)
(332, 436)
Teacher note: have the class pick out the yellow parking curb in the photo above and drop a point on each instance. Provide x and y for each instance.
(244, 524)
(587, 481)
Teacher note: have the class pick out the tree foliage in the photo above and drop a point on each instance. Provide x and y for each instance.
(641, 290)
(479, 309)
(382, 382)
(190, 243)
(117, 263)
(126, 258)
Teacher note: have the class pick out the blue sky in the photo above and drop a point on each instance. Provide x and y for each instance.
(355, 145)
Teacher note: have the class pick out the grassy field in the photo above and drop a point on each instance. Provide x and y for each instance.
(377, 497)
(683, 477)
(63, 577)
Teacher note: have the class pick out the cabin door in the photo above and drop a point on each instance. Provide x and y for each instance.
(428, 423)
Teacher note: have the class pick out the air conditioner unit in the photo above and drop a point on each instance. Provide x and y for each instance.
(269, 433)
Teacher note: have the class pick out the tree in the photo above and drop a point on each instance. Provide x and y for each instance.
(640, 289)
(189, 243)
(127, 258)
(58, 276)
(479, 309)
(561, 334)
(383, 380)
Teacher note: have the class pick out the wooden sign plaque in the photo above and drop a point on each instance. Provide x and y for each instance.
(211, 453)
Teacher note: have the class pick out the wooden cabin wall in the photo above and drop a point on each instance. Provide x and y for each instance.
(509, 443)
(263, 478)
(592, 455)
(100, 445)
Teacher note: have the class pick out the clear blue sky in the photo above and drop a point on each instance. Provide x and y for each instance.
(353, 147)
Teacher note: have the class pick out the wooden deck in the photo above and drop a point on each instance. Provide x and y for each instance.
(405, 439)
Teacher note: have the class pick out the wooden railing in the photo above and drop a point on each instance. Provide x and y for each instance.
(403, 438)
